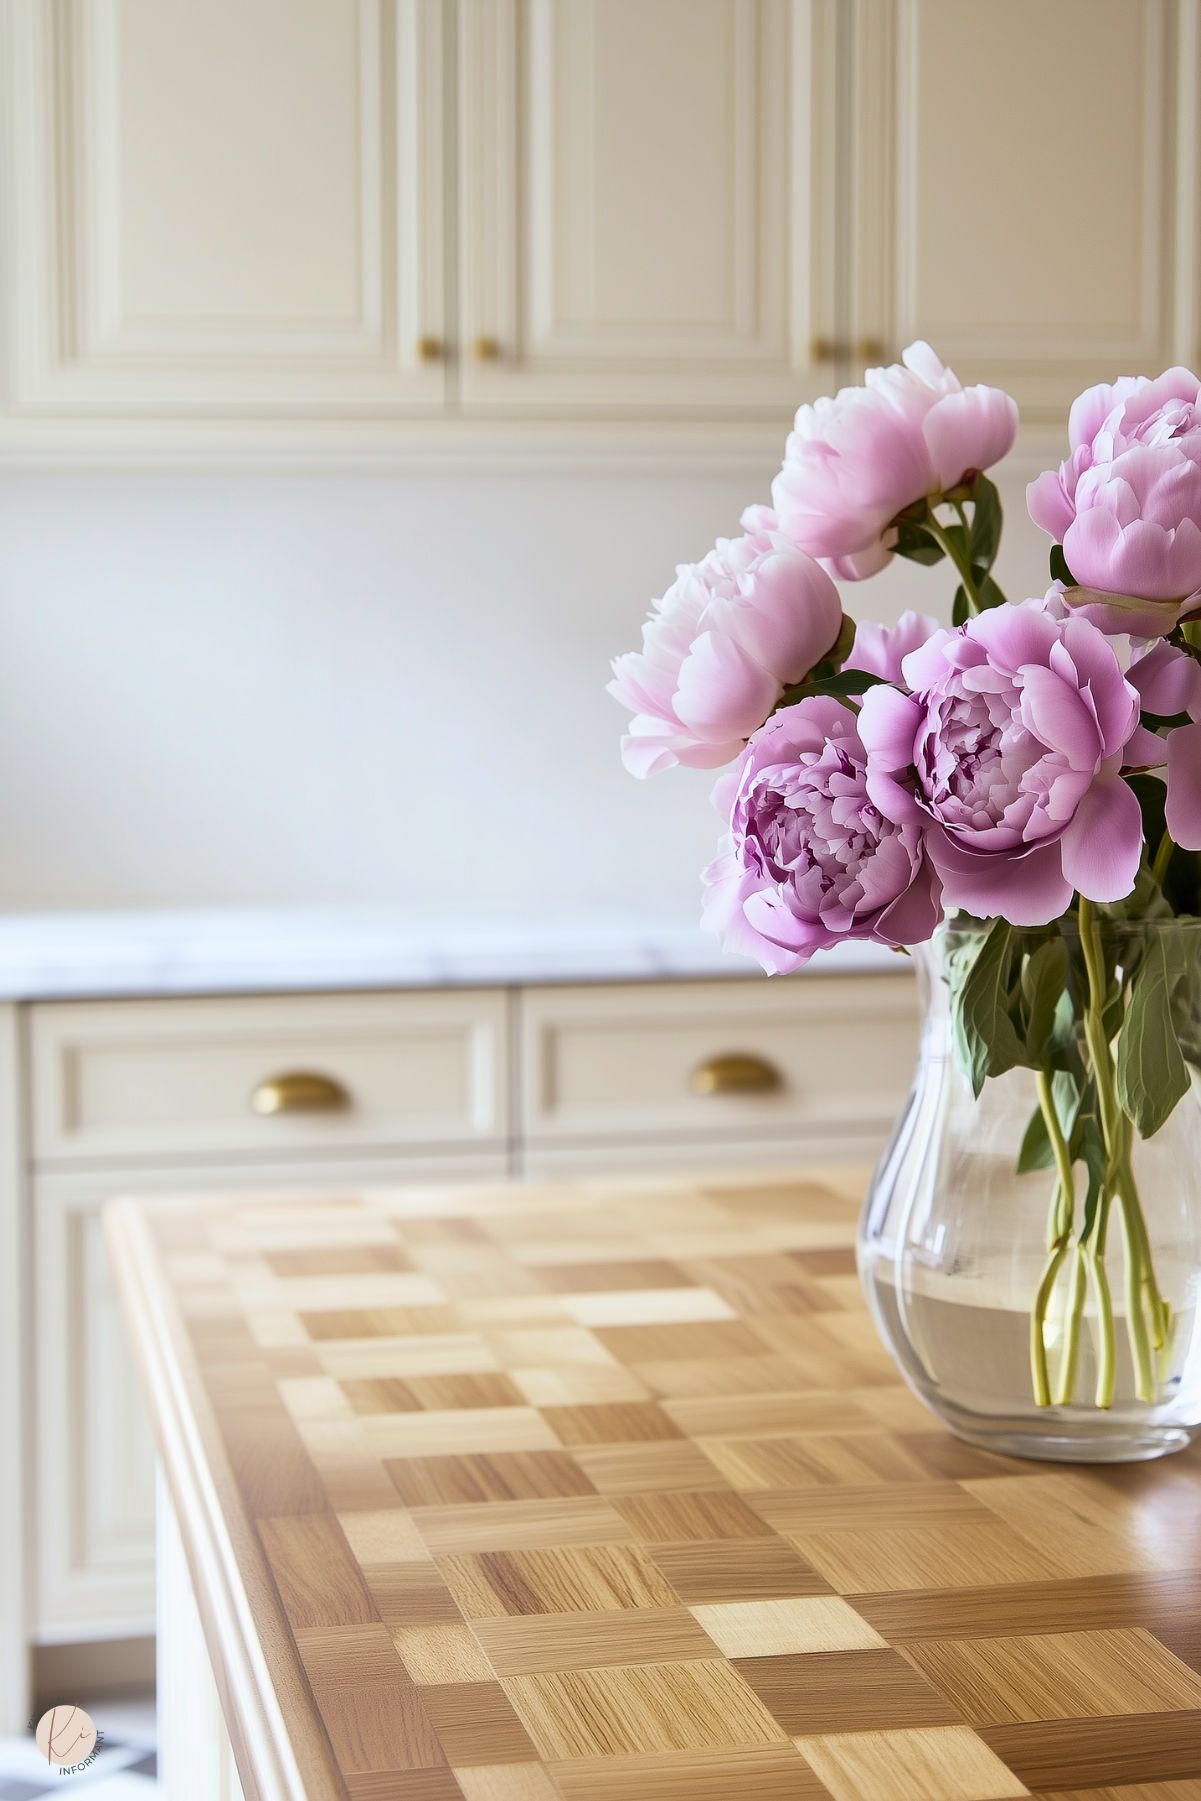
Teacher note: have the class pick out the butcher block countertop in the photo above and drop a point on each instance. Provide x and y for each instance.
(607, 1492)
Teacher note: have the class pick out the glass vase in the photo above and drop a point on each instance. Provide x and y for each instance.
(986, 1283)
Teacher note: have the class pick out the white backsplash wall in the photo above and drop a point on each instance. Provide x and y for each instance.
(355, 689)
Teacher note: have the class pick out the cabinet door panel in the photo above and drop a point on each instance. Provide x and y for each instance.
(230, 205)
(641, 202)
(1027, 156)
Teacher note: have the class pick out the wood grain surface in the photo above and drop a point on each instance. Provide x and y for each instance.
(608, 1492)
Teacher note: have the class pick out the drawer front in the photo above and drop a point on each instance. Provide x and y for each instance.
(818, 1055)
(178, 1078)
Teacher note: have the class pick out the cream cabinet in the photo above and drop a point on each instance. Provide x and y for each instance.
(276, 230)
(642, 211)
(608, 1072)
(230, 208)
(244, 210)
(430, 1085)
(1024, 187)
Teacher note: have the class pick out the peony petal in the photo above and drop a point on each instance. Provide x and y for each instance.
(1054, 711)
(880, 649)
(970, 430)
(1144, 749)
(1103, 844)
(888, 725)
(1184, 786)
(788, 614)
(722, 692)
(914, 915)
(1027, 888)
(1168, 681)
(857, 565)
(1049, 506)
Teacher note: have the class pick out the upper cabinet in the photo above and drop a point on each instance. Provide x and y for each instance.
(300, 223)
(642, 219)
(230, 206)
(1024, 186)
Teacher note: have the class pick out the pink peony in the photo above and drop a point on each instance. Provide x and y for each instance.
(881, 649)
(809, 859)
(1009, 750)
(1168, 683)
(1126, 505)
(853, 463)
(719, 648)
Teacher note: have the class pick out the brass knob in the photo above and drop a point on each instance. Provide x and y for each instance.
(299, 1091)
(870, 350)
(735, 1072)
(487, 350)
(823, 350)
(431, 350)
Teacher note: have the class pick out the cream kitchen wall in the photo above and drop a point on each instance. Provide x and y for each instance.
(355, 689)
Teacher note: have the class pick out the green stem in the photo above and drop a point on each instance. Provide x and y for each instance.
(1071, 1331)
(961, 561)
(1140, 1278)
(1136, 1324)
(1094, 1028)
(1163, 856)
(1099, 1282)
(1059, 1148)
(1038, 1317)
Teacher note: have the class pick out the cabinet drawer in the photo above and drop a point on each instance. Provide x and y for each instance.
(817, 1053)
(175, 1078)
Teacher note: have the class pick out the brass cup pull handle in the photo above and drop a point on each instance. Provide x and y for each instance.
(833, 350)
(299, 1091)
(487, 350)
(735, 1072)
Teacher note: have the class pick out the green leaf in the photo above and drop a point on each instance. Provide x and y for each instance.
(1152, 1073)
(986, 1042)
(842, 644)
(1059, 567)
(1035, 1150)
(990, 594)
(1152, 795)
(985, 534)
(847, 681)
(1158, 722)
(916, 544)
(1044, 979)
(961, 610)
(1070, 1100)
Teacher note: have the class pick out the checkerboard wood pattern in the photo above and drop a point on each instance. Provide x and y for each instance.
(608, 1492)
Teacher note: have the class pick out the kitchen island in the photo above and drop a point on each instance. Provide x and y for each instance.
(606, 1491)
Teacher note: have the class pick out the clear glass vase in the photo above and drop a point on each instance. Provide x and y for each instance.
(960, 1258)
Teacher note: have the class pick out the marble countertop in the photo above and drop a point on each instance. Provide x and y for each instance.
(59, 956)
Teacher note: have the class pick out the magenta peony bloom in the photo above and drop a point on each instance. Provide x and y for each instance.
(853, 463)
(881, 649)
(1010, 750)
(1168, 683)
(719, 648)
(809, 859)
(1126, 505)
